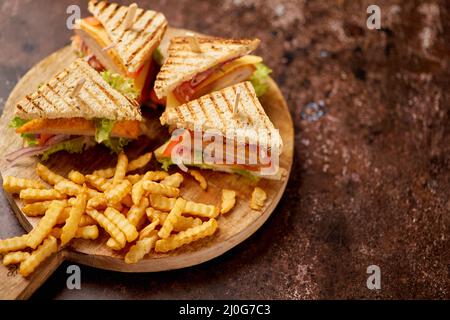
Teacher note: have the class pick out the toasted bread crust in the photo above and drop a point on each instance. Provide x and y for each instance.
(183, 64)
(214, 111)
(97, 99)
(136, 45)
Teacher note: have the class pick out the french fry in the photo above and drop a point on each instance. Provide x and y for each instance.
(147, 231)
(122, 223)
(47, 175)
(140, 162)
(201, 210)
(45, 225)
(116, 193)
(228, 201)
(200, 179)
(72, 201)
(155, 176)
(87, 232)
(37, 195)
(196, 209)
(258, 199)
(99, 203)
(185, 237)
(14, 244)
(86, 221)
(15, 185)
(161, 203)
(157, 188)
(56, 232)
(127, 201)
(182, 223)
(121, 169)
(140, 249)
(137, 192)
(77, 177)
(174, 180)
(105, 173)
(113, 244)
(15, 258)
(172, 218)
(36, 209)
(137, 212)
(70, 228)
(135, 178)
(133, 165)
(45, 250)
(98, 182)
(63, 216)
(109, 226)
(72, 189)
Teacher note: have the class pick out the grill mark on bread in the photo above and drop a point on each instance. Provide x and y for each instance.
(120, 20)
(35, 105)
(101, 89)
(219, 112)
(136, 20)
(59, 95)
(229, 107)
(114, 9)
(103, 5)
(136, 35)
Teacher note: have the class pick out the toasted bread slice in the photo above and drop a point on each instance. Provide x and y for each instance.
(183, 64)
(214, 111)
(97, 99)
(135, 45)
(77, 126)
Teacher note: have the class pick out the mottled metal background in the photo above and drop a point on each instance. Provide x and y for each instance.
(370, 183)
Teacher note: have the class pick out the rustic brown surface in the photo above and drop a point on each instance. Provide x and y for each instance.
(371, 179)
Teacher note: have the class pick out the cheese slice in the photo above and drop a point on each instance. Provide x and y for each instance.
(231, 66)
(172, 101)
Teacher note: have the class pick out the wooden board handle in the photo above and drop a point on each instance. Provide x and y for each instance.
(14, 286)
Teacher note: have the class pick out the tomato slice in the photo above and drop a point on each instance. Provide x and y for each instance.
(173, 142)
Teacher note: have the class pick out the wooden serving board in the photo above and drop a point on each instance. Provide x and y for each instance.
(234, 227)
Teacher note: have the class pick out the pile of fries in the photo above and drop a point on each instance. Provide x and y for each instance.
(140, 213)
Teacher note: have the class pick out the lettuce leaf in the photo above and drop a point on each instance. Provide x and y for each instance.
(103, 128)
(116, 145)
(259, 79)
(17, 122)
(72, 146)
(121, 84)
(30, 139)
(158, 56)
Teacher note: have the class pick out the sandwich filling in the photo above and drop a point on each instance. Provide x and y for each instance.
(231, 72)
(245, 160)
(47, 136)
